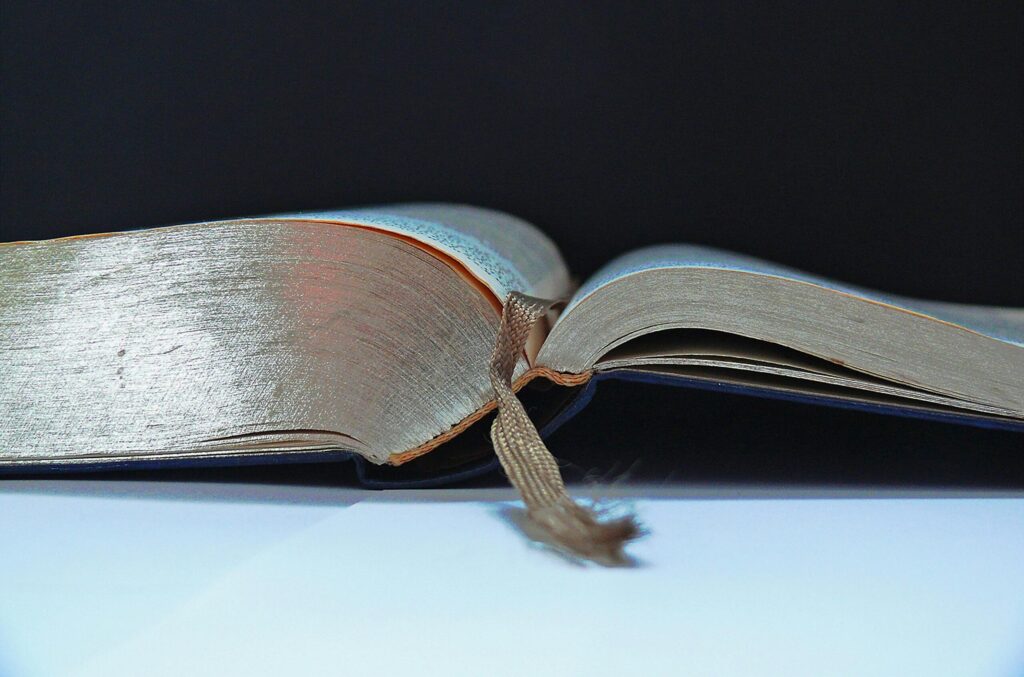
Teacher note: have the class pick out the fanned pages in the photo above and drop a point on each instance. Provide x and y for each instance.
(370, 331)
(710, 314)
(358, 330)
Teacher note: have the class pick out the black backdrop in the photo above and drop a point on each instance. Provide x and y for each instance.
(879, 144)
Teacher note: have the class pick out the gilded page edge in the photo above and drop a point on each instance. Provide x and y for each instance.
(559, 378)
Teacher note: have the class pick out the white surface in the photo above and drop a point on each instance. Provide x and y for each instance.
(188, 579)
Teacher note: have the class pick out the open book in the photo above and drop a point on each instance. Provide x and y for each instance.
(370, 332)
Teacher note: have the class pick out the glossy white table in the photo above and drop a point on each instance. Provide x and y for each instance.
(131, 578)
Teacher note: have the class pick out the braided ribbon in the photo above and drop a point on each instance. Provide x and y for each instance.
(529, 465)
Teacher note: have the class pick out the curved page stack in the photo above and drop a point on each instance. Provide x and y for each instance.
(369, 332)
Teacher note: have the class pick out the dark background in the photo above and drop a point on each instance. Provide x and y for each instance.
(878, 144)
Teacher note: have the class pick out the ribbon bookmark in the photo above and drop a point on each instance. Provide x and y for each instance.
(529, 465)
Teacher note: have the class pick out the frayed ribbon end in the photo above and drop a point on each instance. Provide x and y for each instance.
(552, 516)
(580, 532)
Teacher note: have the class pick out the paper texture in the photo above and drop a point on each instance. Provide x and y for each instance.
(504, 252)
(1005, 324)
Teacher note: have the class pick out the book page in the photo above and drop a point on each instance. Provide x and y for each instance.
(268, 336)
(505, 253)
(972, 354)
(1004, 324)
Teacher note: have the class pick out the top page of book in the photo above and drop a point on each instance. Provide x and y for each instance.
(1004, 324)
(505, 253)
